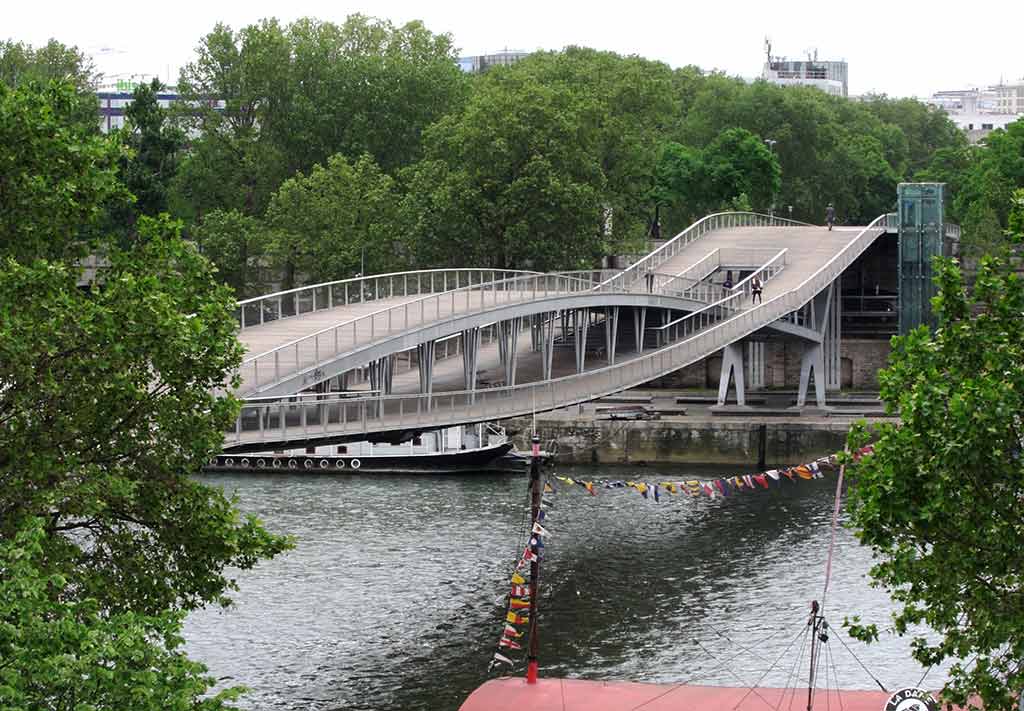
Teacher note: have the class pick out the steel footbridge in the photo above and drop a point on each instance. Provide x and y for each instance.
(393, 354)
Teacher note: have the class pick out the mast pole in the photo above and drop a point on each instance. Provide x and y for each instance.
(814, 622)
(536, 489)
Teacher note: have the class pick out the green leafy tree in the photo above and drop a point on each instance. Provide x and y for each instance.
(738, 162)
(58, 174)
(511, 182)
(21, 64)
(634, 101)
(325, 224)
(111, 400)
(238, 245)
(155, 143)
(74, 657)
(939, 501)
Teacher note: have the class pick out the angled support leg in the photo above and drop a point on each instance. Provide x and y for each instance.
(812, 363)
(732, 365)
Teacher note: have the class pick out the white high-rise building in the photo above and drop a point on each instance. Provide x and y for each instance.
(831, 76)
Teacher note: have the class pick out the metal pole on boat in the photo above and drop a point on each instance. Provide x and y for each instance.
(815, 622)
(536, 489)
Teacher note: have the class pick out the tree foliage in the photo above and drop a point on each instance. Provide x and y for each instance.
(22, 64)
(154, 143)
(58, 175)
(110, 400)
(76, 657)
(940, 500)
(522, 190)
(324, 224)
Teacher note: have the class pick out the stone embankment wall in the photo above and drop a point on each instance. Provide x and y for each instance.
(590, 441)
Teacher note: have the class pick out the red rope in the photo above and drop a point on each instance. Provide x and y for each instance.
(832, 543)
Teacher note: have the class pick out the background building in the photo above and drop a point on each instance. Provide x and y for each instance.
(481, 63)
(831, 76)
(978, 112)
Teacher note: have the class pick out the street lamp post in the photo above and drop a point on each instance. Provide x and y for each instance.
(770, 142)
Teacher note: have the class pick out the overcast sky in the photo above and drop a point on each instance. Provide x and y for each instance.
(898, 47)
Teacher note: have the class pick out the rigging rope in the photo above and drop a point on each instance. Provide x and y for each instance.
(832, 542)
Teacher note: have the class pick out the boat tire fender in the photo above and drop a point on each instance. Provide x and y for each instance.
(341, 464)
(261, 463)
(229, 462)
(324, 464)
(245, 462)
(276, 463)
(292, 464)
(356, 464)
(308, 464)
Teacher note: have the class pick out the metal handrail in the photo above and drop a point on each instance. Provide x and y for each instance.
(766, 271)
(427, 409)
(339, 292)
(716, 221)
(313, 350)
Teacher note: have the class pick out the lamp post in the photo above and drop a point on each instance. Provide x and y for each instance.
(770, 142)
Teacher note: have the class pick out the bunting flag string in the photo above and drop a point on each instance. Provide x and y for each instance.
(517, 599)
(721, 487)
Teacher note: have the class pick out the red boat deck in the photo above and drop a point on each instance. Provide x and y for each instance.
(513, 694)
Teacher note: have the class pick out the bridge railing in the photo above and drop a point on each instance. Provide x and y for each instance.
(357, 290)
(351, 416)
(717, 221)
(312, 350)
(766, 271)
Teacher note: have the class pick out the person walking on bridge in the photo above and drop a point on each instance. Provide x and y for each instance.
(830, 216)
(756, 286)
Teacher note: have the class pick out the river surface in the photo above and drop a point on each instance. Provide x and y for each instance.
(389, 600)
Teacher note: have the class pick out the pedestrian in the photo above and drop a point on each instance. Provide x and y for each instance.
(727, 284)
(830, 216)
(755, 289)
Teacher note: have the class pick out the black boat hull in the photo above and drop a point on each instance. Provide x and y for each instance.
(431, 463)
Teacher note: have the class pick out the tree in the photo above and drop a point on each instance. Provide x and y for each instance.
(58, 175)
(738, 162)
(939, 501)
(523, 190)
(155, 144)
(71, 657)
(238, 245)
(21, 64)
(111, 399)
(326, 223)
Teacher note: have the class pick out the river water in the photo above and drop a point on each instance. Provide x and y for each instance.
(389, 600)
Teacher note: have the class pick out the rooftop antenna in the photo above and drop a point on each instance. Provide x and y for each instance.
(768, 48)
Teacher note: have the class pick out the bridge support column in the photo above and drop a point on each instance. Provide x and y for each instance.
(547, 323)
(425, 356)
(611, 332)
(580, 323)
(813, 362)
(639, 324)
(755, 364)
(732, 366)
(470, 356)
(833, 339)
(508, 348)
(382, 374)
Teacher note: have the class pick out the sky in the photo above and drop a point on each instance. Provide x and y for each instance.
(898, 47)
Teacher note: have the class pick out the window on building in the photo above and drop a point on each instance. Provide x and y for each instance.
(310, 450)
(987, 126)
(342, 449)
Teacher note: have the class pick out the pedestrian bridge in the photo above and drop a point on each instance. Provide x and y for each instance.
(391, 354)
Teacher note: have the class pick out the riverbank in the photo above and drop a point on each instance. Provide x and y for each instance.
(693, 430)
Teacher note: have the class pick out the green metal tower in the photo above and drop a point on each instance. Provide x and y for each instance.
(921, 237)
